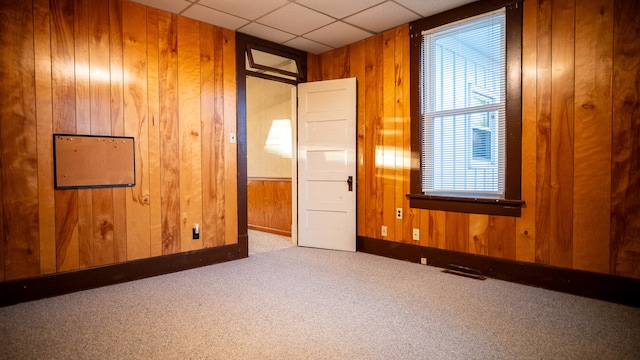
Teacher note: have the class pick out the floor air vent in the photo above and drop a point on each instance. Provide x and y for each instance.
(464, 271)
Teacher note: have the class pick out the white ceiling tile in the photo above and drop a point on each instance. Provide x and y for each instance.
(281, 21)
(338, 34)
(295, 19)
(172, 6)
(211, 16)
(432, 7)
(307, 45)
(382, 17)
(339, 8)
(265, 32)
(248, 9)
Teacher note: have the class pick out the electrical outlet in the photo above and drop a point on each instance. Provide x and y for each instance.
(423, 261)
(399, 213)
(384, 230)
(196, 232)
(416, 234)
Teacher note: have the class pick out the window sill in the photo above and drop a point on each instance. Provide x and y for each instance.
(467, 205)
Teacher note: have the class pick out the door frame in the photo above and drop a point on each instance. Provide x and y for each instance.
(242, 41)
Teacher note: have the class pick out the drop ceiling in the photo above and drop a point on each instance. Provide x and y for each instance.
(315, 26)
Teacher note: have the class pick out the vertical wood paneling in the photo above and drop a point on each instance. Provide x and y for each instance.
(117, 123)
(100, 92)
(341, 63)
(190, 143)
(562, 96)
(136, 124)
(208, 109)
(456, 231)
(46, 199)
(153, 94)
(83, 72)
(83, 126)
(386, 149)
(437, 229)
(566, 63)
(104, 67)
(81, 63)
(103, 247)
(326, 61)
(269, 204)
(592, 165)
(403, 134)
(169, 130)
(479, 234)
(20, 193)
(543, 139)
(373, 132)
(64, 121)
(421, 221)
(85, 228)
(625, 172)
(231, 152)
(357, 70)
(2, 239)
(314, 68)
(219, 140)
(501, 235)
(526, 224)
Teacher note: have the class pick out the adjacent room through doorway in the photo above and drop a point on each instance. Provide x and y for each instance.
(269, 159)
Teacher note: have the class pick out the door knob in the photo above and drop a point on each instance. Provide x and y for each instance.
(350, 183)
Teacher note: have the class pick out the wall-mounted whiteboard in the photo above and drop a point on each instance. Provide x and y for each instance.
(87, 161)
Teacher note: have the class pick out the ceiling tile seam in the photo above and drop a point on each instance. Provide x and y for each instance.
(240, 17)
(270, 27)
(408, 8)
(313, 41)
(187, 8)
(300, 35)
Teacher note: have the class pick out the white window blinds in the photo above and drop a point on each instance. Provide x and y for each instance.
(463, 108)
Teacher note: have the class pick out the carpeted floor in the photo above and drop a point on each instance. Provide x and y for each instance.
(301, 303)
(260, 242)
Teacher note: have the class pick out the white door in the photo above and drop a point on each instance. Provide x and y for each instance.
(327, 164)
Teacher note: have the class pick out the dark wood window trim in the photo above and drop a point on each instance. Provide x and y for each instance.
(511, 205)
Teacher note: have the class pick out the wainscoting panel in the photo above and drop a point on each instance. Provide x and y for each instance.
(269, 205)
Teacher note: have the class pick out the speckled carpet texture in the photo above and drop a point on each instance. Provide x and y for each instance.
(301, 303)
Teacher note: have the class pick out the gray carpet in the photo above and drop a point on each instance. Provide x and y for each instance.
(300, 303)
(260, 242)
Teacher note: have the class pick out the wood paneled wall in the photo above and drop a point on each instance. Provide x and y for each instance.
(269, 205)
(114, 67)
(581, 154)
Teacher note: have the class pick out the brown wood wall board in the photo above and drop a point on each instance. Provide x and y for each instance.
(135, 59)
(625, 172)
(46, 201)
(269, 204)
(543, 133)
(21, 237)
(169, 132)
(568, 74)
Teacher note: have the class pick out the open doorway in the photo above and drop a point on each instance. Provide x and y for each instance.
(270, 151)
(267, 75)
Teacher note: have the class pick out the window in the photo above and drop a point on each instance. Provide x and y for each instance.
(273, 64)
(466, 109)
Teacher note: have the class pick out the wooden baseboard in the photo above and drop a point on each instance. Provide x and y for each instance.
(17, 291)
(617, 289)
(269, 230)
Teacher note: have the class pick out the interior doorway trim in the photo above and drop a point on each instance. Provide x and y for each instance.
(244, 41)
